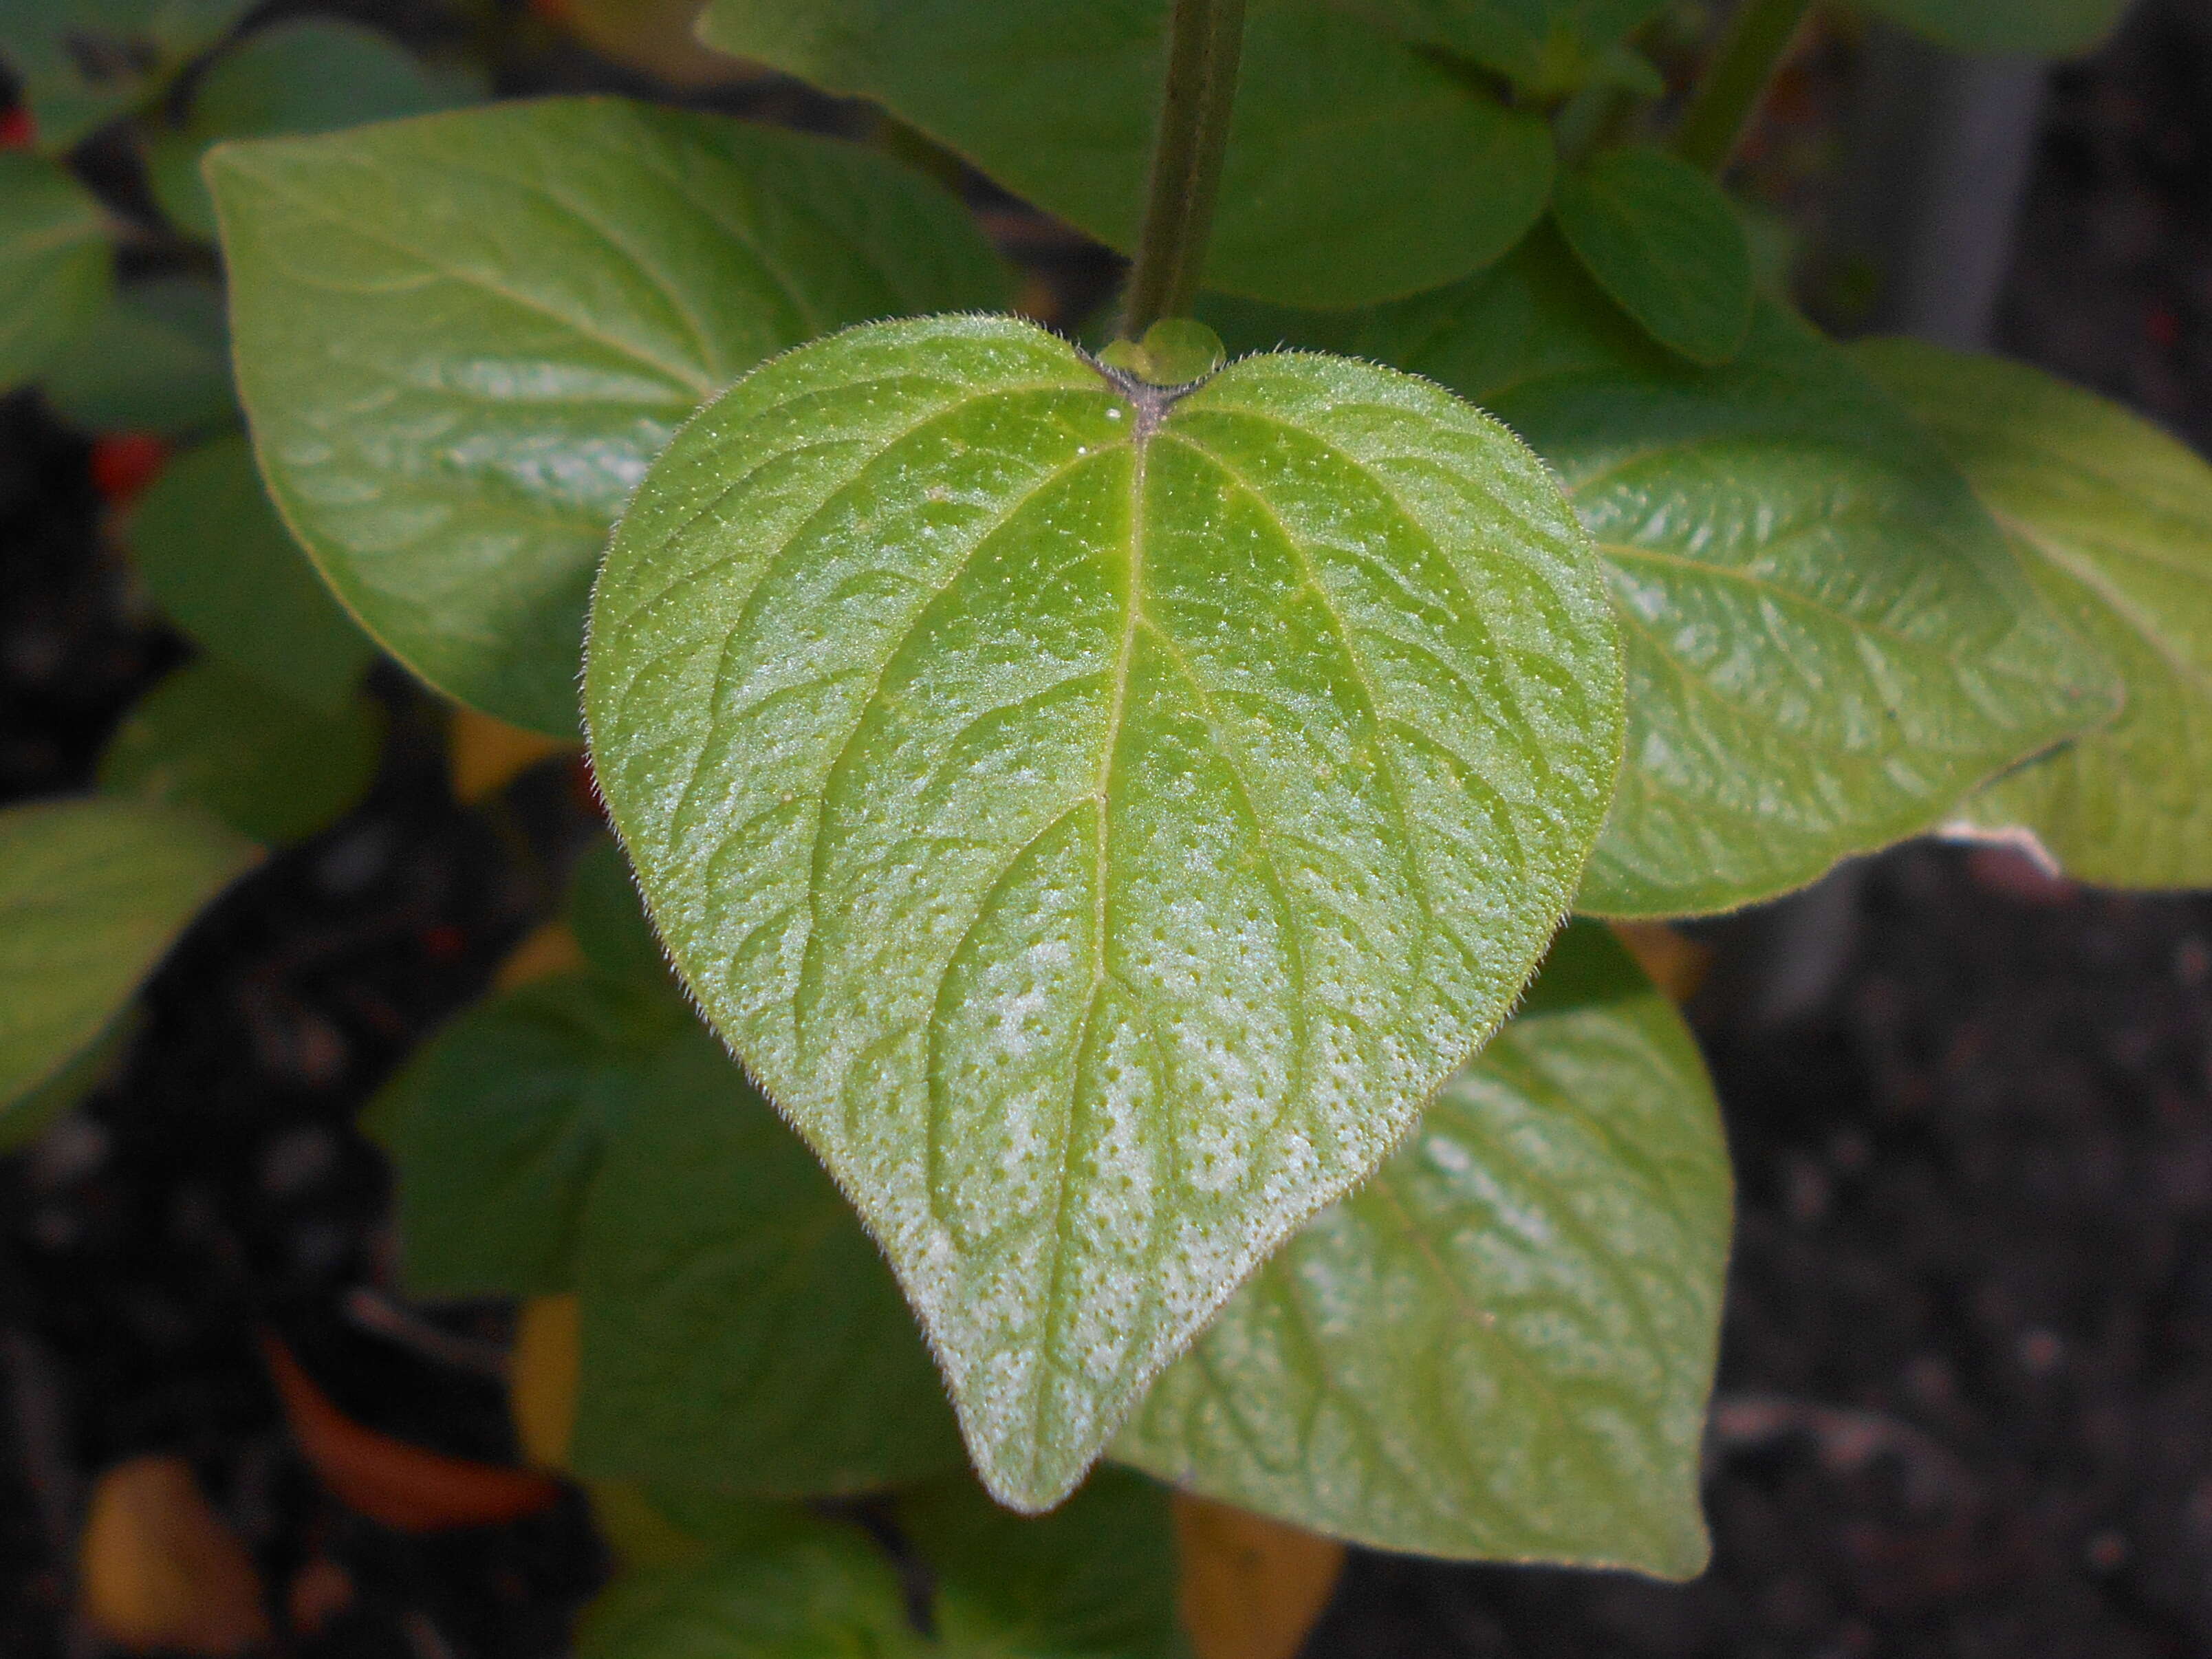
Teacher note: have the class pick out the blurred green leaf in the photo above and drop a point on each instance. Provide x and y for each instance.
(83, 62)
(308, 76)
(158, 359)
(1547, 46)
(216, 558)
(92, 893)
(608, 918)
(462, 337)
(1664, 243)
(2113, 519)
(2042, 28)
(1358, 168)
(270, 768)
(1500, 1347)
(57, 265)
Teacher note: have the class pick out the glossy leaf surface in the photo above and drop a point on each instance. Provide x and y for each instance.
(1828, 643)
(92, 895)
(739, 1330)
(305, 76)
(215, 556)
(1546, 45)
(81, 62)
(1663, 242)
(157, 360)
(2114, 518)
(2052, 29)
(272, 769)
(462, 339)
(1500, 1346)
(1097, 1577)
(1357, 167)
(1099, 824)
(56, 268)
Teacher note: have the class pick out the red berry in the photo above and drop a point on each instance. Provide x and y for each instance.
(124, 463)
(17, 130)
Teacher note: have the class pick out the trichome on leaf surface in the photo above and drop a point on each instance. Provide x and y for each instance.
(1117, 808)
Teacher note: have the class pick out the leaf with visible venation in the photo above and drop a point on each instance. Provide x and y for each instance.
(462, 337)
(92, 895)
(157, 360)
(57, 266)
(2049, 29)
(1828, 643)
(1663, 242)
(83, 62)
(1358, 168)
(217, 559)
(1099, 817)
(271, 769)
(1094, 1577)
(305, 75)
(1548, 46)
(1499, 1348)
(2113, 519)
(738, 1328)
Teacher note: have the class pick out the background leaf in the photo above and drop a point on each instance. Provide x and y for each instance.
(1099, 862)
(2049, 29)
(1546, 45)
(1828, 643)
(157, 360)
(92, 895)
(1663, 242)
(81, 62)
(2113, 519)
(57, 268)
(271, 768)
(306, 76)
(462, 337)
(1499, 1348)
(1357, 168)
(219, 562)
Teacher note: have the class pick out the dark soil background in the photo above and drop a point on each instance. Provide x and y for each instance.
(1966, 1393)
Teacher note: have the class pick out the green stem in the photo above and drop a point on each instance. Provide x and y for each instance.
(1205, 38)
(1758, 36)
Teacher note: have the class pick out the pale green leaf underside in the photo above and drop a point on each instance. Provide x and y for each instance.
(56, 268)
(1500, 1346)
(1664, 243)
(1828, 643)
(2052, 29)
(1100, 849)
(92, 894)
(462, 339)
(2113, 519)
(217, 559)
(1358, 167)
(740, 1332)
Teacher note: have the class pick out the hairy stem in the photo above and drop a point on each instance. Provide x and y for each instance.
(1205, 38)
(1758, 35)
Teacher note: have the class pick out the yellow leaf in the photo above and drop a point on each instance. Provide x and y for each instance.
(160, 1569)
(543, 952)
(1252, 1588)
(541, 1379)
(1676, 963)
(485, 755)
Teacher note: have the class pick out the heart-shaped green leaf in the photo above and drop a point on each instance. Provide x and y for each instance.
(305, 75)
(2113, 519)
(1100, 819)
(1828, 643)
(83, 62)
(1547, 46)
(1500, 1346)
(462, 337)
(1358, 168)
(215, 556)
(1661, 239)
(92, 895)
(739, 1330)
(2049, 28)
(270, 768)
(158, 359)
(57, 268)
